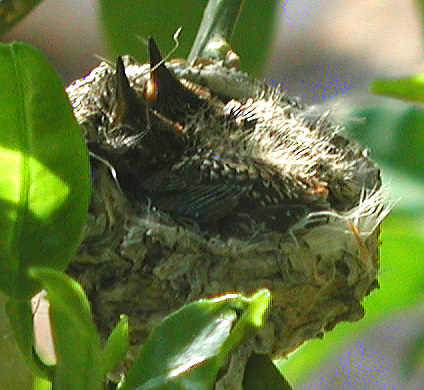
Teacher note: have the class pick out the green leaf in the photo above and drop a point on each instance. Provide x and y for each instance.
(262, 374)
(188, 348)
(185, 339)
(42, 384)
(116, 345)
(44, 182)
(20, 318)
(12, 11)
(406, 88)
(125, 21)
(79, 360)
(252, 318)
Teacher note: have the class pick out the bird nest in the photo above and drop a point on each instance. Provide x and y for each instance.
(206, 181)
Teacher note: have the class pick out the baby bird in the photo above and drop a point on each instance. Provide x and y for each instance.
(207, 157)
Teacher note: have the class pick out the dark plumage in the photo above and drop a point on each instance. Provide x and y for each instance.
(227, 185)
(205, 157)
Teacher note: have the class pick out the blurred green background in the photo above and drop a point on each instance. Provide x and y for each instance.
(327, 52)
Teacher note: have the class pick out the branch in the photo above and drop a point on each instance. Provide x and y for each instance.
(11, 12)
(216, 29)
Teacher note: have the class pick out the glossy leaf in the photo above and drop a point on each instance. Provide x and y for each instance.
(12, 11)
(44, 182)
(42, 384)
(126, 21)
(116, 345)
(262, 374)
(252, 318)
(188, 348)
(79, 363)
(406, 88)
(186, 339)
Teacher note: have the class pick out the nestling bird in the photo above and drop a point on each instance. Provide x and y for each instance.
(206, 181)
(214, 160)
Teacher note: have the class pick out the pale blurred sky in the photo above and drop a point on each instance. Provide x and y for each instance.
(327, 48)
(322, 48)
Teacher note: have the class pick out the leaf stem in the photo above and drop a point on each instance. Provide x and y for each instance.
(216, 28)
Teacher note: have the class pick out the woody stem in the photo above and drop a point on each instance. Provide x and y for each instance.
(11, 13)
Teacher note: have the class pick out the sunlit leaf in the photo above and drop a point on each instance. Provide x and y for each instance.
(406, 88)
(188, 348)
(44, 181)
(42, 384)
(116, 345)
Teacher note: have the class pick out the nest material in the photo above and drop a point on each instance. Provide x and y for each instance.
(138, 260)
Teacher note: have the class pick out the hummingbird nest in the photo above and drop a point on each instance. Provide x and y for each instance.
(206, 181)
